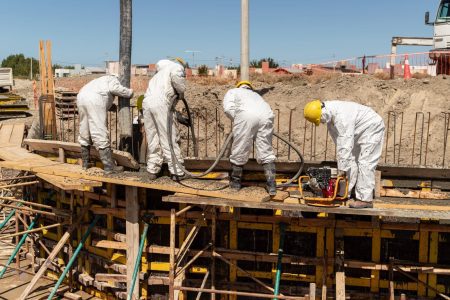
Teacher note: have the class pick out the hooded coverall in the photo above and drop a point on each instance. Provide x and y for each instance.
(358, 132)
(252, 121)
(162, 90)
(93, 102)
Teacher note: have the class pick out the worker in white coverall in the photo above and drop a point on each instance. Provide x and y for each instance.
(93, 101)
(358, 132)
(252, 120)
(165, 87)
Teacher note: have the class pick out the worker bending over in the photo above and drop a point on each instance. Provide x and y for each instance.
(168, 85)
(358, 133)
(252, 121)
(93, 102)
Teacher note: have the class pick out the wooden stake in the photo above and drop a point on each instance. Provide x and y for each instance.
(172, 255)
(132, 231)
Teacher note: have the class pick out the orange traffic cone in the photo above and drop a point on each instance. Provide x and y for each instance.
(406, 70)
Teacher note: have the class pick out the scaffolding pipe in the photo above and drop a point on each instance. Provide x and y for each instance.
(18, 246)
(8, 217)
(138, 261)
(74, 256)
(280, 260)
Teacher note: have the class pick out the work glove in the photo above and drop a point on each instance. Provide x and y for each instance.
(182, 119)
(113, 107)
(341, 173)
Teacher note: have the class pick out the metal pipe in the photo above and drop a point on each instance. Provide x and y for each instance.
(18, 246)
(73, 258)
(11, 213)
(280, 260)
(138, 260)
(244, 41)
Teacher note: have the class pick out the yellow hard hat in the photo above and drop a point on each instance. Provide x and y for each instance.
(181, 61)
(139, 101)
(313, 111)
(246, 82)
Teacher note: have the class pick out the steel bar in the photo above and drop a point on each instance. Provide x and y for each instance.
(19, 245)
(246, 294)
(73, 258)
(30, 231)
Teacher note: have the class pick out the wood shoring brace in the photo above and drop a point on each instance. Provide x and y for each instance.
(53, 254)
(398, 268)
(246, 273)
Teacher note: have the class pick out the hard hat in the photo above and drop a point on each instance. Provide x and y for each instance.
(244, 82)
(139, 101)
(181, 61)
(313, 111)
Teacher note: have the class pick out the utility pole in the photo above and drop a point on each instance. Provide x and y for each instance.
(124, 114)
(31, 68)
(244, 41)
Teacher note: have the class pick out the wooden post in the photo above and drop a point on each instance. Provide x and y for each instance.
(339, 262)
(132, 227)
(376, 255)
(124, 115)
(172, 268)
(61, 155)
(312, 291)
(391, 279)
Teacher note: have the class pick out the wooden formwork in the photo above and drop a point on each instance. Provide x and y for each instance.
(241, 255)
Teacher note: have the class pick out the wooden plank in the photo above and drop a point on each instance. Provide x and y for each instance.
(69, 184)
(390, 192)
(17, 134)
(73, 149)
(5, 133)
(110, 244)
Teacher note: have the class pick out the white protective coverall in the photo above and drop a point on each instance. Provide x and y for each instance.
(169, 80)
(358, 132)
(93, 101)
(252, 121)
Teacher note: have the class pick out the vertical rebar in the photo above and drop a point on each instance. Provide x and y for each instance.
(446, 129)
(278, 129)
(428, 136)
(206, 132)
(326, 144)
(217, 133)
(387, 137)
(304, 137)
(400, 141)
(421, 137)
(290, 132)
(414, 141)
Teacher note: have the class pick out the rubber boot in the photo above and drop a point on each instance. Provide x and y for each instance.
(108, 163)
(178, 177)
(236, 177)
(355, 203)
(85, 151)
(269, 171)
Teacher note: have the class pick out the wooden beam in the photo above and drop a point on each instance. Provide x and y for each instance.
(132, 232)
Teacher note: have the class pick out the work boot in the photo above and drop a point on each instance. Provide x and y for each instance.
(85, 151)
(178, 177)
(269, 171)
(359, 204)
(108, 164)
(236, 177)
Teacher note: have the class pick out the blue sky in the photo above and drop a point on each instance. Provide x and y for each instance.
(290, 31)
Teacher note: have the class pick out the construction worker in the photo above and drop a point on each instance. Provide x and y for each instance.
(165, 87)
(252, 121)
(358, 133)
(93, 101)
